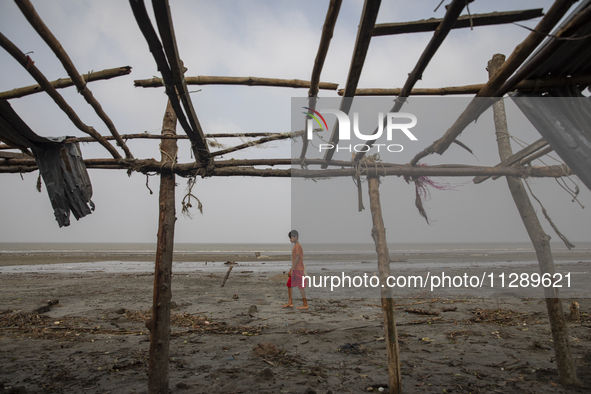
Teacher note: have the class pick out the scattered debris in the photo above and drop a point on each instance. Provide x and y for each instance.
(47, 307)
(504, 316)
(352, 348)
(575, 311)
(274, 354)
(422, 311)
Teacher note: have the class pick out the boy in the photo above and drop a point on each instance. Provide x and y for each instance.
(296, 273)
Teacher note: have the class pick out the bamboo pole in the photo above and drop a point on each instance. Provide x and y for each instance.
(493, 18)
(378, 233)
(35, 20)
(492, 88)
(453, 12)
(540, 241)
(248, 81)
(366, 24)
(159, 324)
(29, 65)
(529, 84)
(66, 82)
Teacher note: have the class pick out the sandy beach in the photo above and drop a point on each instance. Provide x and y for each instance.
(238, 338)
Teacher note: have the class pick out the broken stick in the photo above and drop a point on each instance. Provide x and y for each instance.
(227, 275)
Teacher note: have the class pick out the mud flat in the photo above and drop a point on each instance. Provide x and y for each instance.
(238, 338)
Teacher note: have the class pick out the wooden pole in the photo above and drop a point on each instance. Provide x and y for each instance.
(454, 9)
(29, 65)
(248, 81)
(159, 324)
(494, 18)
(366, 24)
(327, 31)
(492, 88)
(528, 84)
(163, 16)
(245, 168)
(37, 23)
(198, 143)
(378, 233)
(540, 241)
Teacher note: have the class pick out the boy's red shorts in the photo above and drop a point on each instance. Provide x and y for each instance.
(297, 281)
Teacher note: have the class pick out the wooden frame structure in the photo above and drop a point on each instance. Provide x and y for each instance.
(162, 44)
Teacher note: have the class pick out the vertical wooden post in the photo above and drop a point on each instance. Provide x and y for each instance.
(378, 234)
(159, 325)
(540, 241)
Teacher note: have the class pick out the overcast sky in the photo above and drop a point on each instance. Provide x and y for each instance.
(264, 39)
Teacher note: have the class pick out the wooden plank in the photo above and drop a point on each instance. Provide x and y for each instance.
(368, 20)
(66, 82)
(464, 21)
(29, 65)
(166, 29)
(35, 20)
(492, 88)
(248, 81)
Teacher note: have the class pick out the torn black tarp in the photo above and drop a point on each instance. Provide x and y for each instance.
(60, 164)
(565, 123)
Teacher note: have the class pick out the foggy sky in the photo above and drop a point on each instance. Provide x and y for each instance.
(263, 39)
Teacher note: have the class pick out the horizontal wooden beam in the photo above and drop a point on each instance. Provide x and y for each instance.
(530, 84)
(426, 25)
(249, 81)
(230, 168)
(147, 136)
(66, 82)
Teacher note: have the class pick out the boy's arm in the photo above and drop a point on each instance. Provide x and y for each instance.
(298, 258)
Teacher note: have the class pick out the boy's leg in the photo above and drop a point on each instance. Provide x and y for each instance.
(290, 301)
(304, 299)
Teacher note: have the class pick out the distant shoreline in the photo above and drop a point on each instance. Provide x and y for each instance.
(48, 257)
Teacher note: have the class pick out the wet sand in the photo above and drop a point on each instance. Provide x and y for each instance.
(238, 338)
